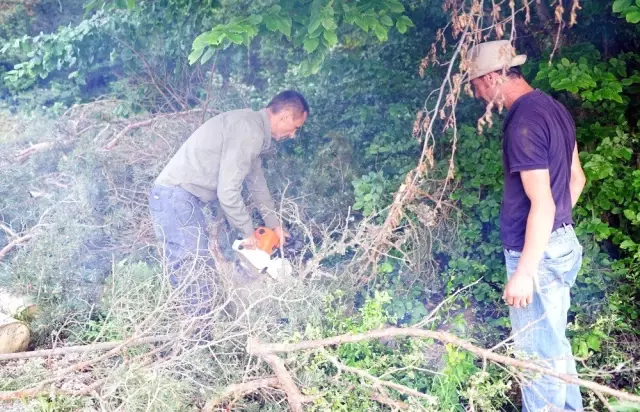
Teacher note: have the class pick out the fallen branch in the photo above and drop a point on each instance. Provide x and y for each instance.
(9, 247)
(39, 387)
(114, 142)
(240, 389)
(265, 349)
(33, 149)
(96, 347)
(294, 397)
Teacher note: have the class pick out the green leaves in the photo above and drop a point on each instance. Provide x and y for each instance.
(595, 82)
(71, 47)
(238, 31)
(311, 44)
(621, 5)
(316, 27)
(207, 55)
(372, 192)
(403, 23)
(395, 6)
(627, 9)
(279, 23)
(593, 342)
(633, 16)
(627, 244)
(331, 37)
(386, 20)
(624, 406)
(381, 32)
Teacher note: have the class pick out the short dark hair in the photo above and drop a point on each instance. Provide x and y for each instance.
(289, 99)
(512, 72)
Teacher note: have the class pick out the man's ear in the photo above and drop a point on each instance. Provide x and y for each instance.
(288, 114)
(490, 79)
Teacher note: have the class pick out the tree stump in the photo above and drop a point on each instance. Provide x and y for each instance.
(14, 335)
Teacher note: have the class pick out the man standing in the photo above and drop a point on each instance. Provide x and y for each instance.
(542, 182)
(213, 164)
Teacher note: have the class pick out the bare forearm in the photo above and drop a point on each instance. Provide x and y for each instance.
(539, 227)
(576, 186)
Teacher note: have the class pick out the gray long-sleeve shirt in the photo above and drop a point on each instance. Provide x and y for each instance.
(218, 158)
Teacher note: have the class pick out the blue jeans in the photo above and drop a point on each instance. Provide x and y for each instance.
(180, 226)
(539, 329)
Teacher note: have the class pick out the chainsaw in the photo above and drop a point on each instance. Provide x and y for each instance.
(264, 259)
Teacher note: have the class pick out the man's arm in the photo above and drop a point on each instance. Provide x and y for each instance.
(537, 185)
(259, 190)
(578, 179)
(238, 154)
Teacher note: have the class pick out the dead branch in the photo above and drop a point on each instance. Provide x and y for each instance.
(294, 397)
(9, 247)
(604, 401)
(62, 374)
(33, 149)
(96, 347)
(113, 142)
(260, 349)
(240, 389)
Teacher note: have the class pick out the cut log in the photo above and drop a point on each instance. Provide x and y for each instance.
(14, 335)
(16, 305)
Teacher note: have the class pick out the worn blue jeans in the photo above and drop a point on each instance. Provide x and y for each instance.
(538, 330)
(180, 226)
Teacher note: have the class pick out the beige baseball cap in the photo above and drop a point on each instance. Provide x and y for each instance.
(492, 56)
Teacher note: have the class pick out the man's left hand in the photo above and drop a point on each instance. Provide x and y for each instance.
(282, 235)
(519, 290)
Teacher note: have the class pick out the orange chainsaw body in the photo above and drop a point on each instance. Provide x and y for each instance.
(267, 239)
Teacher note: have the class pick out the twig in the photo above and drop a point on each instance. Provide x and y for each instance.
(35, 392)
(557, 42)
(435, 310)
(379, 382)
(259, 349)
(604, 401)
(8, 230)
(82, 348)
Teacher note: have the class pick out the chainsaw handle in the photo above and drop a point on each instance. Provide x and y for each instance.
(248, 243)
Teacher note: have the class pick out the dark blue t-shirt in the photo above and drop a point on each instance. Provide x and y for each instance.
(539, 133)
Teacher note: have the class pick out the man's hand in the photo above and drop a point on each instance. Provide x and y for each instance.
(282, 234)
(519, 290)
(250, 242)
